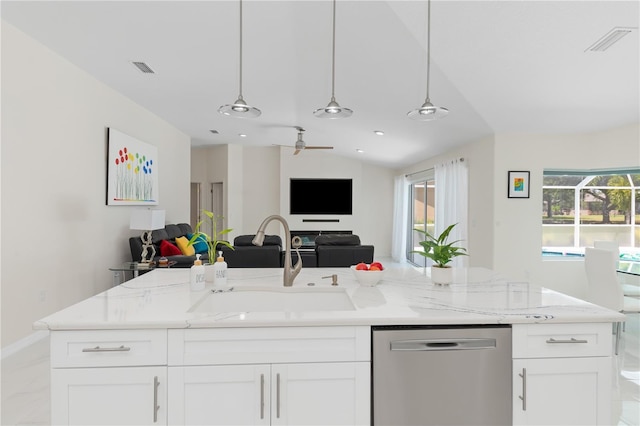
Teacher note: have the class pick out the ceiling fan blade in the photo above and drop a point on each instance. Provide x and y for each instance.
(297, 151)
(318, 147)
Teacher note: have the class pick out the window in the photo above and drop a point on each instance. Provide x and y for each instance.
(579, 207)
(421, 213)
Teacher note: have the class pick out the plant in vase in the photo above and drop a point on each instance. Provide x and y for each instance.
(441, 252)
(213, 240)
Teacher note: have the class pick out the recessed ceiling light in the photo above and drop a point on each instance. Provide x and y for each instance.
(359, 150)
(378, 132)
(242, 135)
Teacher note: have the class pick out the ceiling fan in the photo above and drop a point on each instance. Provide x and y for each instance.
(301, 145)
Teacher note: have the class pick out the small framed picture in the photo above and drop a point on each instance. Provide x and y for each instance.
(518, 184)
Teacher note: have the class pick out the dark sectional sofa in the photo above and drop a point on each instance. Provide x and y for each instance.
(245, 255)
(330, 250)
(337, 250)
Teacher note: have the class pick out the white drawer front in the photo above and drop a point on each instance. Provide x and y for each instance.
(108, 348)
(268, 345)
(561, 340)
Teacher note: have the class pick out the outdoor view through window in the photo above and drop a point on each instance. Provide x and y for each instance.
(580, 207)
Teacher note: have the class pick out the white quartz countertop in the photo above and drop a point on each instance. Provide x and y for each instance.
(162, 299)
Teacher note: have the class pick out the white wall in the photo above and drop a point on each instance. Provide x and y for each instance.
(209, 165)
(258, 179)
(261, 189)
(58, 236)
(479, 157)
(518, 222)
(506, 234)
(372, 191)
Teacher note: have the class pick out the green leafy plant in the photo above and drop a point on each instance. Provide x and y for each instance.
(212, 240)
(438, 249)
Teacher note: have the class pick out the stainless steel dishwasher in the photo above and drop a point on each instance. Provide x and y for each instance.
(441, 375)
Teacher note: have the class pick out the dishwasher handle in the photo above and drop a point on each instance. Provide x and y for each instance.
(443, 344)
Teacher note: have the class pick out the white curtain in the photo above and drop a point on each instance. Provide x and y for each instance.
(399, 234)
(452, 192)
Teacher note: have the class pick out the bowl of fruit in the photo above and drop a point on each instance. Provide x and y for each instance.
(368, 274)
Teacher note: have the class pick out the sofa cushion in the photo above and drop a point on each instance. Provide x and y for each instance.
(246, 240)
(159, 235)
(252, 257)
(185, 248)
(337, 240)
(343, 256)
(200, 244)
(168, 249)
(185, 228)
(173, 231)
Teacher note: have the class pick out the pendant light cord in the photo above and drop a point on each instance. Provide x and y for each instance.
(333, 56)
(240, 94)
(428, 45)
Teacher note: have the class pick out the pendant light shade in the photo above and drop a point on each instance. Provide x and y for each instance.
(333, 109)
(428, 111)
(239, 108)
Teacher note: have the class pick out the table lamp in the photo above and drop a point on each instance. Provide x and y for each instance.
(147, 220)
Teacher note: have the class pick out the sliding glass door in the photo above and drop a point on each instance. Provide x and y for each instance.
(421, 214)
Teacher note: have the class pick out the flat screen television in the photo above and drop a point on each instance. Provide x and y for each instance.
(321, 196)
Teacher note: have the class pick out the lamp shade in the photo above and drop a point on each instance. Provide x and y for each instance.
(147, 219)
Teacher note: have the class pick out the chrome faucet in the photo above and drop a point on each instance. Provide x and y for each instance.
(290, 272)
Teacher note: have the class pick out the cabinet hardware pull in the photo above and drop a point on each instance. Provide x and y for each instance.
(524, 389)
(121, 348)
(443, 344)
(262, 396)
(156, 407)
(572, 340)
(278, 395)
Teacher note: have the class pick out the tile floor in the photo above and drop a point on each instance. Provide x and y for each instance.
(25, 382)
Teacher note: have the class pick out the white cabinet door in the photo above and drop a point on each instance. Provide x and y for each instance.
(278, 394)
(109, 396)
(220, 395)
(562, 391)
(320, 394)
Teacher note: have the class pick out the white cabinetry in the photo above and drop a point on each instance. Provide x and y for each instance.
(109, 377)
(562, 374)
(314, 375)
(109, 396)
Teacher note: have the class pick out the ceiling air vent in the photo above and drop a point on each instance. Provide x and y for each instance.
(143, 67)
(609, 39)
(215, 132)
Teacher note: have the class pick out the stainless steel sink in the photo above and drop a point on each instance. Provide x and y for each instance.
(274, 299)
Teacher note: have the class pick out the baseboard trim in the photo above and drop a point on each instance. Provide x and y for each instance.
(23, 343)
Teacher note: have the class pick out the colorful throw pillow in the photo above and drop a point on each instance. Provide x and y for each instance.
(168, 249)
(185, 248)
(200, 244)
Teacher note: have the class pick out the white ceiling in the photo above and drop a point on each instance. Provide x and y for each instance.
(498, 66)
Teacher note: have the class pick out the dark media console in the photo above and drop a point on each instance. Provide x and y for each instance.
(309, 237)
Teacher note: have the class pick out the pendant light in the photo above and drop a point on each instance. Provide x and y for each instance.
(333, 110)
(428, 111)
(239, 108)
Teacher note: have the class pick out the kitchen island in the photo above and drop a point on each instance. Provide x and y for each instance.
(163, 354)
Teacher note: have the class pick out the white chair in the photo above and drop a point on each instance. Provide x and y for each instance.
(604, 288)
(608, 245)
(627, 288)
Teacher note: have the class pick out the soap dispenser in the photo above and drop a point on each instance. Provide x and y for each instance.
(220, 273)
(197, 275)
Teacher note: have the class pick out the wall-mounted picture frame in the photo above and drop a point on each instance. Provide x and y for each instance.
(132, 171)
(518, 184)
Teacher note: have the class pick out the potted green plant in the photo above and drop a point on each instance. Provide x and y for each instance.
(441, 252)
(213, 240)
